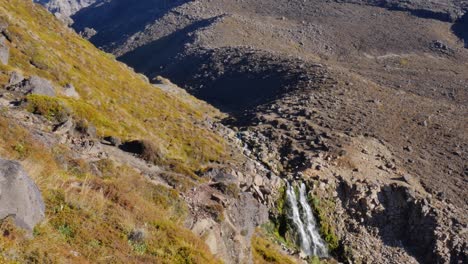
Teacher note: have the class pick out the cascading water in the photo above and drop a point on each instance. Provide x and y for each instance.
(301, 215)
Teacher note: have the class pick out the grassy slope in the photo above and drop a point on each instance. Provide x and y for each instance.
(114, 98)
(89, 219)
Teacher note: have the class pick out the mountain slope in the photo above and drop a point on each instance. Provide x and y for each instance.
(121, 104)
(363, 100)
(102, 204)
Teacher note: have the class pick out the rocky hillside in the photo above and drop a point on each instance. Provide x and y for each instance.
(100, 166)
(63, 9)
(364, 103)
(366, 99)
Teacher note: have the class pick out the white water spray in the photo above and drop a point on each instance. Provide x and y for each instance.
(301, 215)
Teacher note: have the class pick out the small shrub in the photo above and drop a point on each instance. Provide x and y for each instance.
(138, 248)
(66, 231)
(233, 190)
(151, 152)
(404, 62)
(84, 127)
(21, 149)
(244, 232)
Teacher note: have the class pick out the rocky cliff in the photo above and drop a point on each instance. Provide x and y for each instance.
(63, 9)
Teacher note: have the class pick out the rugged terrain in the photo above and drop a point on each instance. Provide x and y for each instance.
(96, 161)
(365, 101)
(63, 9)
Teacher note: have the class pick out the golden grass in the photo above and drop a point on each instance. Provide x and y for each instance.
(266, 252)
(114, 98)
(89, 219)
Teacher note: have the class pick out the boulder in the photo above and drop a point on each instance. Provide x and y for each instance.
(3, 26)
(15, 78)
(37, 85)
(4, 51)
(19, 196)
(64, 127)
(88, 33)
(34, 85)
(69, 91)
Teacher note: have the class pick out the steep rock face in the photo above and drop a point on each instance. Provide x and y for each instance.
(19, 196)
(63, 9)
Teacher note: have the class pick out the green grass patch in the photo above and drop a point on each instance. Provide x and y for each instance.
(264, 251)
(322, 209)
(50, 107)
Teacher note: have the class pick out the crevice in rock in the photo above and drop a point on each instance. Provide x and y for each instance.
(400, 219)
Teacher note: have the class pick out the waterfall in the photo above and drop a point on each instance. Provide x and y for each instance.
(303, 219)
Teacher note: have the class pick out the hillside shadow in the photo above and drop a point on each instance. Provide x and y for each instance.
(116, 20)
(460, 28)
(403, 223)
(151, 59)
(234, 80)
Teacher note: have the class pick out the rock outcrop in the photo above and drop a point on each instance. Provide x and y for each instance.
(70, 91)
(32, 85)
(4, 51)
(15, 78)
(63, 9)
(19, 196)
